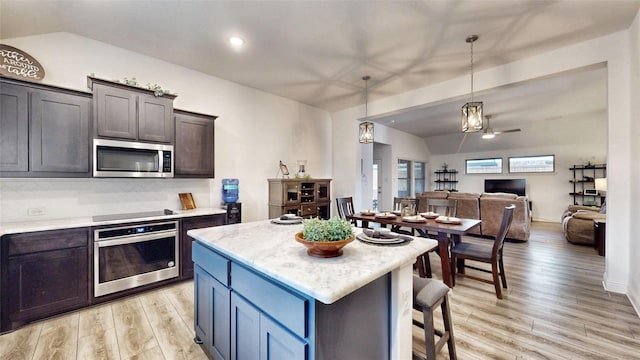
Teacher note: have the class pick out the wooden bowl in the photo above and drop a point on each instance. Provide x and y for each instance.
(323, 249)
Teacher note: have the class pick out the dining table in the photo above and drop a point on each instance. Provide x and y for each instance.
(447, 232)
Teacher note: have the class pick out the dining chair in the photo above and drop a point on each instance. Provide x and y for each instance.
(444, 207)
(490, 254)
(345, 208)
(398, 204)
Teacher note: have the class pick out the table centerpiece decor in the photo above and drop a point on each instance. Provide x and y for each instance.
(325, 238)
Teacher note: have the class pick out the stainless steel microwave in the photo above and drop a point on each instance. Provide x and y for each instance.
(114, 158)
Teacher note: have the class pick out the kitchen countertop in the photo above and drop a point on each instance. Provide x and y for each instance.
(67, 223)
(273, 251)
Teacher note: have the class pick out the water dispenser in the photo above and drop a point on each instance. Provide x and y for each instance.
(229, 190)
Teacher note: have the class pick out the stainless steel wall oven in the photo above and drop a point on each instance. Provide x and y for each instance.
(129, 256)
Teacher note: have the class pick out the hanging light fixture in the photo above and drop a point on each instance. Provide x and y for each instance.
(472, 111)
(366, 127)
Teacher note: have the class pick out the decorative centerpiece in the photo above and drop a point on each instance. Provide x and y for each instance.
(325, 238)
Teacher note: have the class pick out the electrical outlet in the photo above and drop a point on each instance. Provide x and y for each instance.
(37, 211)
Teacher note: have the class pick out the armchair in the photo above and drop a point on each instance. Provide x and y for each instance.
(577, 223)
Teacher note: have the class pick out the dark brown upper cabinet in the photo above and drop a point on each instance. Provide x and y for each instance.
(131, 113)
(194, 147)
(14, 127)
(59, 132)
(45, 131)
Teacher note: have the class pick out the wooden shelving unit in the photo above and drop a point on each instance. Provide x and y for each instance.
(583, 182)
(446, 180)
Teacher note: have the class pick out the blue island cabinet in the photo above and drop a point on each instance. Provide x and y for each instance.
(242, 314)
(212, 317)
(246, 316)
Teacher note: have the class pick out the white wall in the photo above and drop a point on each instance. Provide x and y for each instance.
(634, 168)
(347, 155)
(253, 132)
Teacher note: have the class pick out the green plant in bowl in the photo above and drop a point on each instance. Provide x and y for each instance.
(334, 229)
(325, 238)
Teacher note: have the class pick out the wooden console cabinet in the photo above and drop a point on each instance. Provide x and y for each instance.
(304, 197)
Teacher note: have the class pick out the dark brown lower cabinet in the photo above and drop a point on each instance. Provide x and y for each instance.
(190, 223)
(43, 274)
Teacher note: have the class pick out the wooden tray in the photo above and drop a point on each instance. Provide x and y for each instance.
(186, 199)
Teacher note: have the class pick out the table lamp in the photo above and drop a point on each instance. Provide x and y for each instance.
(601, 186)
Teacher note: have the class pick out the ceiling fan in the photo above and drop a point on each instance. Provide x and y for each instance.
(489, 133)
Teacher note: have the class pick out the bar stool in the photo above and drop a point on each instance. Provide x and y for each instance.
(428, 294)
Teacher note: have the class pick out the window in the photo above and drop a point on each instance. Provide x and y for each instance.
(532, 164)
(404, 178)
(419, 177)
(484, 166)
(411, 178)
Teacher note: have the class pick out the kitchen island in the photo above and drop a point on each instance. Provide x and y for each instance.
(259, 295)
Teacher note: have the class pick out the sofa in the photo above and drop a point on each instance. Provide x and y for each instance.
(492, 207)
(468, 207)
(577, 223)
(489, 208)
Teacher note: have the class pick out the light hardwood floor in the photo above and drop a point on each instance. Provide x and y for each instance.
(555, 308)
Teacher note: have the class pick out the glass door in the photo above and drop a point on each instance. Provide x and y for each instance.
(291, 192)
(322, 189)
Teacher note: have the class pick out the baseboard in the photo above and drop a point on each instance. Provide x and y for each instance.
(635, 301)
(616, 287)
(555, 221)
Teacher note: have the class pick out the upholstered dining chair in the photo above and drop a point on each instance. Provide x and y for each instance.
(428, 295)
(444, 207)
(484, 253)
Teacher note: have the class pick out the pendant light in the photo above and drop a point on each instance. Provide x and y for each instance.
(366, 127)
(472, 111)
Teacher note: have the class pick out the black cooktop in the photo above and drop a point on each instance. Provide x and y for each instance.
(110, 217)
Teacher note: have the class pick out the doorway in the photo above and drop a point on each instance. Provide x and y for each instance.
(377, 185)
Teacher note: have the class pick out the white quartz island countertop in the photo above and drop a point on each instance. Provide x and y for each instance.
(272, 250)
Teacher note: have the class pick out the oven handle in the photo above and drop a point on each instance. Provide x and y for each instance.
(135, 239)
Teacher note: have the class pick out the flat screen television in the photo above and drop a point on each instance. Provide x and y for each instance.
(513, 186)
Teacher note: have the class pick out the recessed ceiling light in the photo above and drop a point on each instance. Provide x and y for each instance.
(236, 41)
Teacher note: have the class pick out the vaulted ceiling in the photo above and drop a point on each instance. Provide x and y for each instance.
(316, 52)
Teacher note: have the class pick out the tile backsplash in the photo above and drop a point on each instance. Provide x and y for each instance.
(46, 199)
